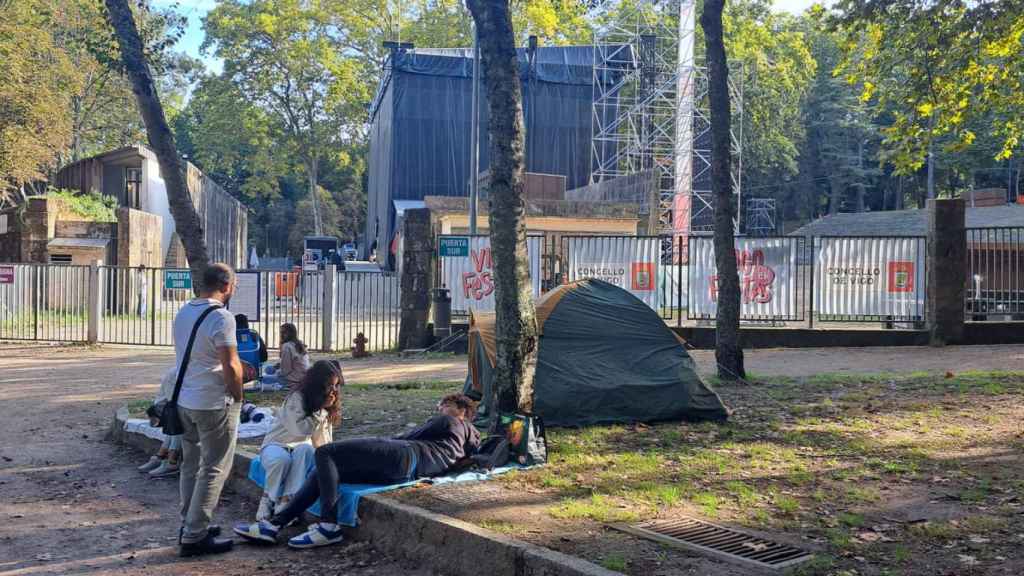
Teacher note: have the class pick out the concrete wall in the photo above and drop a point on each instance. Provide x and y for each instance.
(10, 236)
(139, 239)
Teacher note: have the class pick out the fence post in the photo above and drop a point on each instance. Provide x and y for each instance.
(946, 269)
(328, 312)
(95, 306)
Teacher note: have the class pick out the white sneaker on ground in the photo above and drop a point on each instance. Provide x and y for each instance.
(266, 508)
(164, 469)
(151, 464)
(317, 535)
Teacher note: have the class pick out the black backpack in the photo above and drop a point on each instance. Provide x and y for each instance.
(493, 453)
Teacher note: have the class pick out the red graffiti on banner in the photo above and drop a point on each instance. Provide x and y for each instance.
(478, 284)
(756, 279)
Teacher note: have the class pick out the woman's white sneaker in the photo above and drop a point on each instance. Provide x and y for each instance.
(317, 535)
(261, 531)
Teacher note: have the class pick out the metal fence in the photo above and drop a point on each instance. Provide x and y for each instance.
(50, 302)
(869, 279)
(45, 302)
(773, 283)
(995, 274)
(368, 304)
(633, 263)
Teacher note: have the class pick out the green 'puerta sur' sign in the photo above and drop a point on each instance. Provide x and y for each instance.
(178, 280)
(456, 246)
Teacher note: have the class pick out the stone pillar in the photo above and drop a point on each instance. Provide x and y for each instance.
(417, 255)
(947, 270)
(94, 308)
(328, 312)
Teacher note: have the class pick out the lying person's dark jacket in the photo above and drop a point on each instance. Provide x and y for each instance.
(440, 442)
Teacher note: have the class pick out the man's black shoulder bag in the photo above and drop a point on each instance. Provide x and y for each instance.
(170, 420)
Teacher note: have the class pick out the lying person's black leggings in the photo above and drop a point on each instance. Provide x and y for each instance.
(356, 461)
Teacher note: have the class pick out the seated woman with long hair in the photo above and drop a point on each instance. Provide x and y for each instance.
(294, 362)
(304, 422)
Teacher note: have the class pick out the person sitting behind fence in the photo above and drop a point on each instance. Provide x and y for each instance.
(426, 451)
(251, 359)
(304, 422)
(165, 462)
(294, 362)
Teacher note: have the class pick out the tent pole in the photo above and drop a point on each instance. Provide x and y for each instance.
(474, 138)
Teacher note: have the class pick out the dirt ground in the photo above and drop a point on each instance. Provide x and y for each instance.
(73, 504)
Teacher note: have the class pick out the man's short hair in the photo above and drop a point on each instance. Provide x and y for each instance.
(218, 276)
(462, 402)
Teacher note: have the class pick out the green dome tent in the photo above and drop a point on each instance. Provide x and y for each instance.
(604, 357)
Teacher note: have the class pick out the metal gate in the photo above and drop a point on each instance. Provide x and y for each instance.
(995, 274)
(44, 302)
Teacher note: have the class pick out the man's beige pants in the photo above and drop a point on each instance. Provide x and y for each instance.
(207, 453)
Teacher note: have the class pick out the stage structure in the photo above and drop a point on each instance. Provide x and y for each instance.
(651, 112)
(760, 217)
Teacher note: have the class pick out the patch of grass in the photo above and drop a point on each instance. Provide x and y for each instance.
(616, 562)
(984, 523)
(137, 408)
(817, 566)
(708, 503)
(839, 538)
(501, 526)
(549, 480)
(901, 553)
(786, 504)
(598, 508)
(660, 494)
(933, 530)
(742, 492)
(850, 519)
(975, 494)
(863, 494)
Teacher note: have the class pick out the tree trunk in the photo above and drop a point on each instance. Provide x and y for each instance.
(728, 352)
(161, 140)
(515, 322)
(313, 167)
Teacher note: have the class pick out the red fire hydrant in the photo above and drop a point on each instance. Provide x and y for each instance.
(359, 350)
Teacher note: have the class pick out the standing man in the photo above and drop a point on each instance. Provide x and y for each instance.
(209, 404)
(143, 290)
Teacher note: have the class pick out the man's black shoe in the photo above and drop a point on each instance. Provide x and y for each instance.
(212, 530)
(209, 545)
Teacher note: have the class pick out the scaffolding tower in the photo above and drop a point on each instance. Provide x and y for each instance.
(651, 112)
(760, 217)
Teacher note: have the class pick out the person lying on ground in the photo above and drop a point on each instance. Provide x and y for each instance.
(426, 451)
(304, 422)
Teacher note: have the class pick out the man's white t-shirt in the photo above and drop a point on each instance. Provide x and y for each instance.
(203, 387)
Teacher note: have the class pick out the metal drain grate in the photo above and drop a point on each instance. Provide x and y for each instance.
(719, 542)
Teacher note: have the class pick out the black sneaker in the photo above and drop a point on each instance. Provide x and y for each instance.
(209, 545)
(211, 530)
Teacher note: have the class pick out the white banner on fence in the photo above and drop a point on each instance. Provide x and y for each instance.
(632, 263)
(246, 299)
(467, 269)
(768, 278)
(869, 277)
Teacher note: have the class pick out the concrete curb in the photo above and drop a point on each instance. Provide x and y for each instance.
(442, 543)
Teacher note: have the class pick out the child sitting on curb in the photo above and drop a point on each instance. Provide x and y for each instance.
(165, 462)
